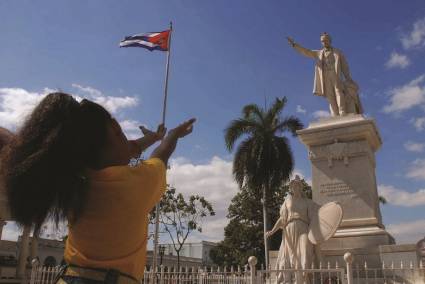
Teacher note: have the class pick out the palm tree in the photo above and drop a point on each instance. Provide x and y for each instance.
(263, 160)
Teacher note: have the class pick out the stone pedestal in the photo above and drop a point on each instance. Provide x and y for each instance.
(342, 154)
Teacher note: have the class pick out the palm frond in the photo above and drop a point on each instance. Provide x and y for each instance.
(284, 161)
(241, 160)
(275, 110)
(264, 159)
(236, 129)
(254, 111)
(291, 124)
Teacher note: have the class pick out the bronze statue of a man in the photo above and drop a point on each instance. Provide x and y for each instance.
(332, 78)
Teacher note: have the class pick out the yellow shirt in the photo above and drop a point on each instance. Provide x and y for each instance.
(112, 231)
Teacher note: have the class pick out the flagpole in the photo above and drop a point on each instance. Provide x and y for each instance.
(164, 109)
(164, 106)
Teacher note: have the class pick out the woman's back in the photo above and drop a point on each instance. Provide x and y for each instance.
(70, 161)
(112, 232)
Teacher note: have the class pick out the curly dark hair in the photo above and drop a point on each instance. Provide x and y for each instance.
(43, 166)
(5, 137)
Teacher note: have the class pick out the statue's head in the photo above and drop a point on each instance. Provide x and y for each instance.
(296, 187)
(326, 39)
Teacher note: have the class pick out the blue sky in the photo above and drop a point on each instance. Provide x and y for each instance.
(226, 54)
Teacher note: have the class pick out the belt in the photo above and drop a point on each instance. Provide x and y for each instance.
(298, 219)
(109, 276)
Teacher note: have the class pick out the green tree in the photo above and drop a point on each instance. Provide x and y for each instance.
(243, 236)
(263, 160)
(179, 217)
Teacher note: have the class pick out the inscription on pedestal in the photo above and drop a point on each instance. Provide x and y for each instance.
(335, 189)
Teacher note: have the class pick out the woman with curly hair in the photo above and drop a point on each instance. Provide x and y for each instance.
(5, 137)
(70, 161)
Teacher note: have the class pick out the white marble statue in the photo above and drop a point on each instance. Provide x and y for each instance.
(332, 78)
(296, 250)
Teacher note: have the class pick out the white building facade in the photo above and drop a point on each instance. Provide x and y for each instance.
(199, 250)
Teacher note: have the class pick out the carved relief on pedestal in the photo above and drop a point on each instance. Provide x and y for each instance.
(340, 151)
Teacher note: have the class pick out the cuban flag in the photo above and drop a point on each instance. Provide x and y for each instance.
(151, 41)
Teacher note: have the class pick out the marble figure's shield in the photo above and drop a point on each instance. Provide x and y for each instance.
(325, 223)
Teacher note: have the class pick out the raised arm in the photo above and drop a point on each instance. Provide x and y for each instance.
(149, 138)
(168, 144)
(302, 50)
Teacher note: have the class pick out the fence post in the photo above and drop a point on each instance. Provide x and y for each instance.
(348, 257)
(252, 261)
(34, 267)
(161, 281)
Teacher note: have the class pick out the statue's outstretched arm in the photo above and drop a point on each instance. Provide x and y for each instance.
(278, 225)
(302, 50)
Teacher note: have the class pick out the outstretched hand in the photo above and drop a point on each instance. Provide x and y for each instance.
(155, 136)
(269, 234)
(183, 129)
(168, 145)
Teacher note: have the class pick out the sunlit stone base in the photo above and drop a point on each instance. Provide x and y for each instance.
(342, 154)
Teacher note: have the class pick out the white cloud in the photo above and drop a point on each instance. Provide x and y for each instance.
(130, 125)
(212, 180)
(131, 128)
(113, 104)
(407, 96)
(401, 197)
(300, 109)
(321, 114)
(418, 123)
(88, 90)
(11, 232)
(414, 146)
(16, 104)
(176, 162)
(407, 232)
(212, 230)
(417, 169)
(397, 60)
(416, 37)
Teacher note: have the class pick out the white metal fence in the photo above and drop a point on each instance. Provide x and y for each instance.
(43, 275)
(206, 275)
(402, 273)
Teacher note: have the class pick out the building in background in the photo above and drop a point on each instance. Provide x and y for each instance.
(49, 253)
(199, 250)
(191, 254)
(171, 260)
